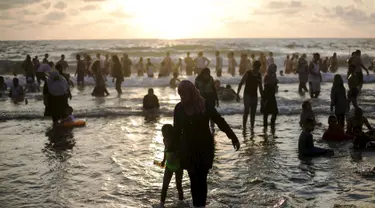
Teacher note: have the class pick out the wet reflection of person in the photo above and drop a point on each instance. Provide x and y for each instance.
(191, 122)
(59, 140)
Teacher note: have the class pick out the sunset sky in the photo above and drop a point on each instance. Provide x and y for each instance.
(169, 19)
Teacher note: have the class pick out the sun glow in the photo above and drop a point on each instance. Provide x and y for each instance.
(170, 19)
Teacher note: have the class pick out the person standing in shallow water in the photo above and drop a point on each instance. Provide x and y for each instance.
(140, 67)
(232, 64)
(45, 60)
(117, 73)
(100, 89)
(357, 62)
(63, 63)
(219, 64)
(303, 74)
(314, 76)
(80, 72)
(353, 87)
(244, 64)
(28, 66)
(191, 122)
(338, 99)
(263, 62)
(168, 64)
(288, 64)
(201, 62)
(269, 103)
(127, 65)
(333, 63)
(252, 81)
(189, 62)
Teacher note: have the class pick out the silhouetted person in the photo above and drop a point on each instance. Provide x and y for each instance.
(270, 60)
(80, 72)
(315, 77)
(288, 64)
(303, 74)
(117, 73)
(263, 63)
(17, 93)
(63, 63)
(28, 66)
(100, 89)
(150, 68)
(253, 82)
(353, 83)
(150, 101)
(174, 82)
(357, 62)
(36, 64)
(43, 70)
(269, 103)
(219, 64)
(206, 86)
(127, 64)
(168, 64)
(140, 67)
(232, 64)
(201, 62)
(189, 62)
(333, 63)
(244, 64)
(45, 60)
(335, 131)
(191, 122)
(339, 102)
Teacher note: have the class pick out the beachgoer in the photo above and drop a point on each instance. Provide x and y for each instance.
(150, 68)
(306, 146)
(178, 67)
(315, 77)
(43, 70)
(353, 86)
(339, 102)
(307, 112)
(232, 64)
(36, 64)
(45, 60)
(270, 59)
(219, 64)
(108, 65)
(295, 63)
(100, 89)
(244, 64)
(3, 85)
(189, 62)
(168, 64)
(88, 62)
(252, 60)
(358, 120)
(263, 63)
(117, 73)
(333, 63)
(335, 131)
(191, 122)
(206, 86)
(31, 86)
(253, 81)
(80, 72)
(219, 88)
(162, 70)
(171, 161)
(150, 101)
(63, 63)
(357, 62)
(324, 67)
(68, 115)
(269, 103)
(102, 65)
(288, 64)
(59, 68)
(372, 66)
(28, 66)
(174, 81)
(17, 93)
(127, 65)
(303, 73)
(140, 67)
(228, 94)
(201, 62)
(56, 94)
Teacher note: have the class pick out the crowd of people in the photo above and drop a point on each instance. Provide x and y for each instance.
(189, 142)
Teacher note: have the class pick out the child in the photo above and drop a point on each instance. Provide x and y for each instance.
(68, 115)
(3, 86)
(306, 146)
(17, 93)
(174, 81)
(172, 163)
(150, 67)
(335, 131)
(306, 113)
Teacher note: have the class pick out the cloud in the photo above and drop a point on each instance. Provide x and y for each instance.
(73, 12)
(281, 8)
(120, 13)
(60, 5)
(28, 12)
(358, 2)
(350, 15)
(55, 16)
(47, 5)
(284, 4)
(90, 8)
(9, 4)
(94, 0)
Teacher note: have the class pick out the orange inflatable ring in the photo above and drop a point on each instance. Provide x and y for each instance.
(77, 123)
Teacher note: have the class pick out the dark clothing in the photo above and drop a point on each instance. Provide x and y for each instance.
(359, 78)
(127, 63)
(302, 86)
(55, 105)
(252, 82)
(362, 142)
(335, 133)
(207, 90)
(341, 119)
(339, 100)
(150, 102)
(118, 75)
(40, 76)
(167, 179)
(251, 104)
(306, 146)
(198, 186)
(100, 89)
(80, 71)
(269, 103)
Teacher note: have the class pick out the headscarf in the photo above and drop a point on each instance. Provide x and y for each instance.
(196, 103)
(271, 77)
(57, 85)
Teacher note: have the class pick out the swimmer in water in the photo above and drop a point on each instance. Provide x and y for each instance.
(171, 160)
(174, 81)
(358, 120)
(150, 101)
(31, 86)
(306, 146)
(17, 93)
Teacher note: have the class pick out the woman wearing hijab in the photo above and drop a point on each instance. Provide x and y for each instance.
(339, 100)
(100, 89)
(56, 93)
(117, 73)
(191, 118)
(269, 104)
(206, 86)
(28, 66)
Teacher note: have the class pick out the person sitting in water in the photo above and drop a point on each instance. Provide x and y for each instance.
(306, 146)
(31, 86)
(335, 131)
(17, 93)
(174, 81)
(358, 120)
(150, 101)
(306, 113)
(171, 160)
(228, 94)
(68, 115)
(3, 86)
(219, 88)
(362, 140)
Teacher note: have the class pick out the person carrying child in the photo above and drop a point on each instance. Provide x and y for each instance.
(171, 161)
